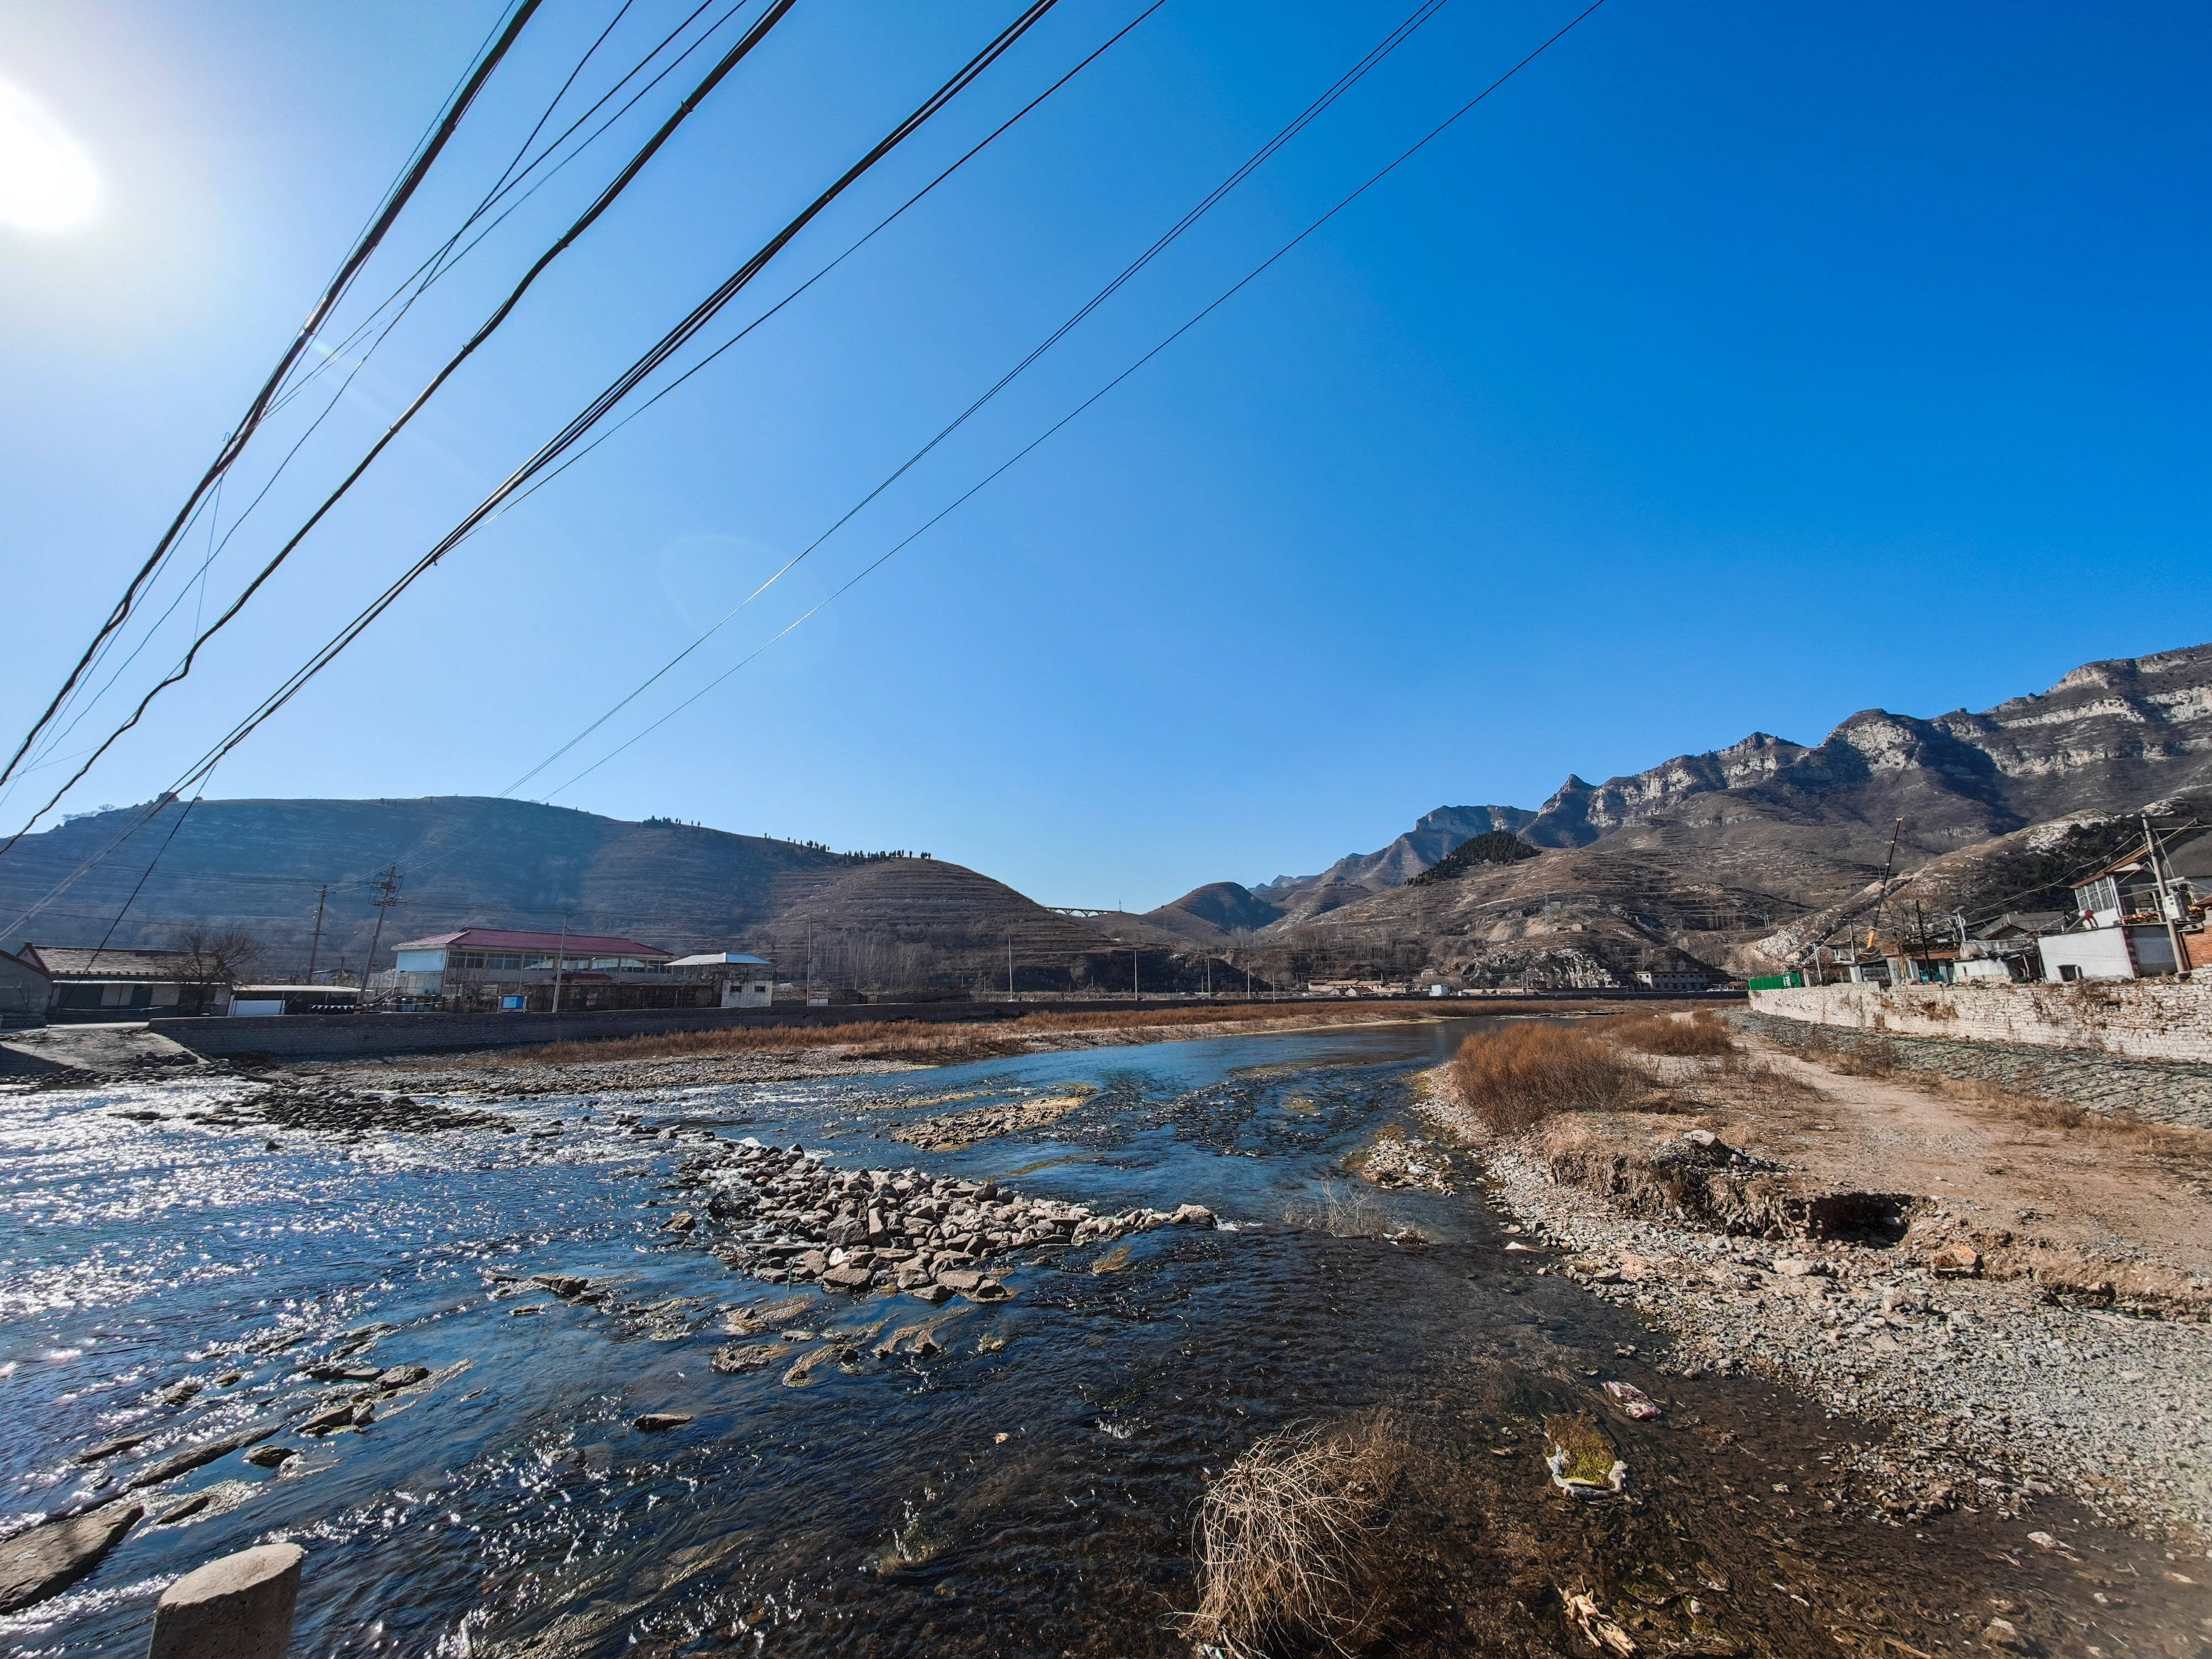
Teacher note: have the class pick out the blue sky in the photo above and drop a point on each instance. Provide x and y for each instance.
(1735, 368)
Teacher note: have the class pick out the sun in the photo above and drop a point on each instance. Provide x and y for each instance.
(47, 180)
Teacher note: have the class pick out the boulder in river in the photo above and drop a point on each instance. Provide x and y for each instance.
(660, 1422)
(109, 1447)
(192, 1457)
(47, 1560)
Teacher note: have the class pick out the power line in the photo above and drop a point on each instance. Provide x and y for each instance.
(1305, 118)
(231, 447)
(606, 198)
(437, 265)
(583, 422)
(1252, 276)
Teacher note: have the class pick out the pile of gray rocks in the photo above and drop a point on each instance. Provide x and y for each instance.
(793, 1219)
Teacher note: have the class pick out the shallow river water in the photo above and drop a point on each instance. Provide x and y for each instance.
(1029, 1489)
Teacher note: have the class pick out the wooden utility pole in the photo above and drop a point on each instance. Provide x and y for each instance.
(560, 961)
(387, 895)
(1010, 966)
(2165, 899)
(315, 945)
(1135, 994)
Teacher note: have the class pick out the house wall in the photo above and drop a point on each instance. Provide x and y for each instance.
(23, 992)
(2138, 1020)
(2095, 953)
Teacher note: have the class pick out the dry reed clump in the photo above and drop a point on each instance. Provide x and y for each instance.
(1700, 1037)
(1285, 1540)
(1342, 1210)
(1514, 1078)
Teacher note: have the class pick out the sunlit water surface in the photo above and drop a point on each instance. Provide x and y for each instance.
(1029, 1489)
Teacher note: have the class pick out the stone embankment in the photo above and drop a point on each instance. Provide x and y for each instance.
(793, 1219)
(2000, 1393)
(2132, 1019)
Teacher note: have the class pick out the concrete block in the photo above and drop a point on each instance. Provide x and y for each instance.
(238, 1608)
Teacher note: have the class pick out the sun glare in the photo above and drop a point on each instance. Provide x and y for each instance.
(47, 180)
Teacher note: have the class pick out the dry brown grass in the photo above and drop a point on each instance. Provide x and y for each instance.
(1700, 1037)
(941, 1041)
(1285, 1538)
(1516, 1077)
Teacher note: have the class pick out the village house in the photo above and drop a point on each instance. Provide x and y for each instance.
(116, 982)
(2135, 923)
(492, 968)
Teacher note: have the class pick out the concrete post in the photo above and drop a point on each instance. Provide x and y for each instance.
(238, 1608)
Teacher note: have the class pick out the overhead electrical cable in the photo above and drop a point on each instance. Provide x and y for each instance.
(1221, 300)
(442, 258)
(436, 265)
(1259, 158)
(396, 199)
(606, 198)
(608, 399)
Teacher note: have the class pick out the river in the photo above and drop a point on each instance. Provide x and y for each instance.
(1028, 1489)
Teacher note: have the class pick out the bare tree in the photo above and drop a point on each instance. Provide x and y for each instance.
(210, 957)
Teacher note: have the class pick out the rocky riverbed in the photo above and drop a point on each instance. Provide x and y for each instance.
(792, 1218)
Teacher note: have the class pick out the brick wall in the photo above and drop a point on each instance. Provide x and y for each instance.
(2133, 1019)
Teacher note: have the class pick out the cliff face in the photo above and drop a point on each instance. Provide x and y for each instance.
(1358, 875)
(1579, 813)
(1703, 858)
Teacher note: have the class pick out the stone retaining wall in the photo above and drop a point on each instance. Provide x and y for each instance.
(2132, 1019)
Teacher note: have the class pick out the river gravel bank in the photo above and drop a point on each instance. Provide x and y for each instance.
(2000, 1395)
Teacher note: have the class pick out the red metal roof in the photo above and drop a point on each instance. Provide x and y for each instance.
(497, 939)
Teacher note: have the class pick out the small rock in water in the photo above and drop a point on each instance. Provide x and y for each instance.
(109, 1447)
(932, 1294)
(847, 1279)
(401, 1377)
(683, 1221)
(565, 1285)
(179, 1393)
(189, 1507)
(738, 1358)
(656, 1422)
(270, 1457)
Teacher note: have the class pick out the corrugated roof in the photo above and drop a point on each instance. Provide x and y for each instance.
(495, 939)
(115, 961)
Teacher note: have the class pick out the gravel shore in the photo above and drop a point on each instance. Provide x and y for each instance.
(2000, 1393)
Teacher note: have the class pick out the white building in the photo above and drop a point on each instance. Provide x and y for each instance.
(746, 981)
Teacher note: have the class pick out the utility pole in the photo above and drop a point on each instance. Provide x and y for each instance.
(1010, 966)
(560, 961)
(315, 945)
(1135, 994)
(387, 895)
(2165, 899)
(1881, 893)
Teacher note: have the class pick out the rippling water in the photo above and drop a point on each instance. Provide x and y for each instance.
(1029, 1489)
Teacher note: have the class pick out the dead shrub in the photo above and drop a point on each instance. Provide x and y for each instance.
(1285, 1539)
(1514, 1078)
(1700, 1036)
(1341, 1210)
